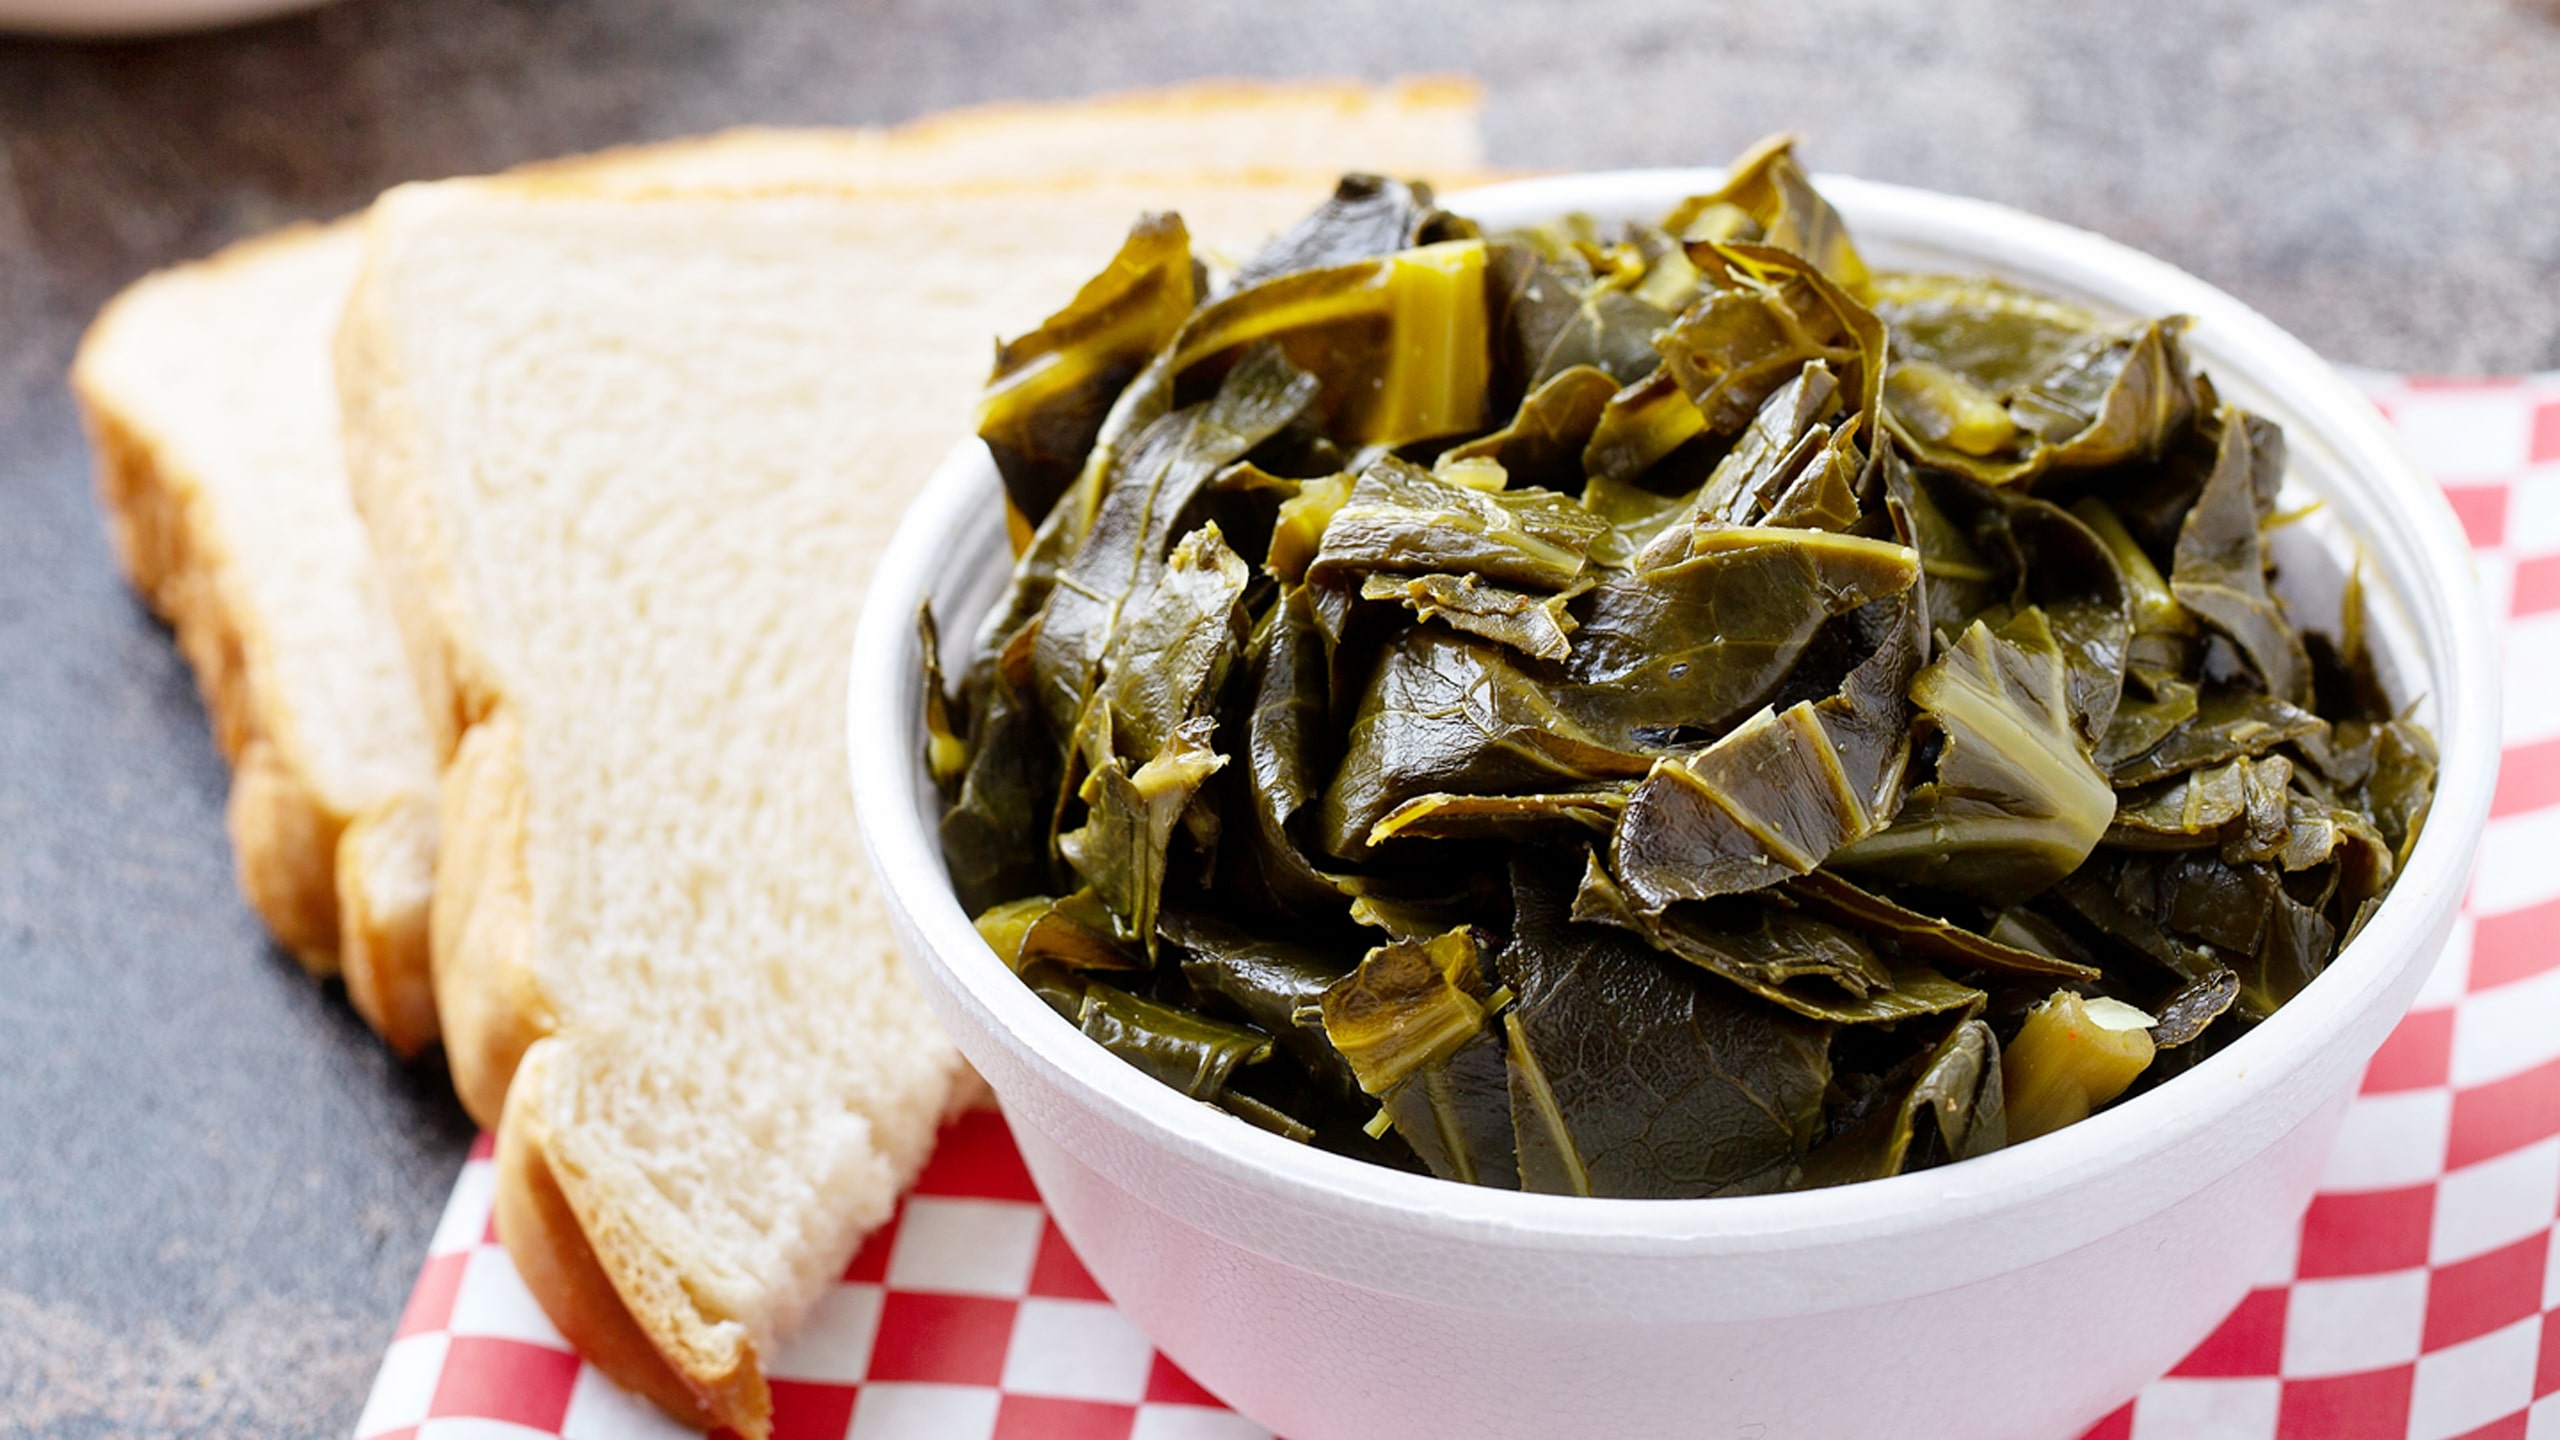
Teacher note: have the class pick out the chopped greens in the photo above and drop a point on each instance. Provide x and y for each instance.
(1671, 713)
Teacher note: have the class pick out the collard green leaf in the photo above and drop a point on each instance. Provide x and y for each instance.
(1703, 641)
(2016, 803)
(2193, 1007)
(946, 749)
(1783, 792)
(2076, 391)
(1077, 933)
(1456, 1114)
(2153, 705)
(1410, 1004)
(2227, 724)
(1958, 1085)
(1115, 567)
(1533, 624)
(1271, 984)
(1553, 314)
(1833, 898)
(1541, 447)
(1285, 759)
(1167, 664)
(2221, 570)
(1120, 851)
(1789, 436)
(1632, 1074)
(1367, 217)
(1503, 817)
(2276, 943)
(1450, 714)
(2402, 785)
(1046, 401)
(995, 831)
(1782, 955)
(1767, 197)
(1192, 1053)
(1767, 315)
(1402, 520)
(1640, 427)
(2184, 812)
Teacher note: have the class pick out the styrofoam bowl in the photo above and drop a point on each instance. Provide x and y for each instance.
(2018, 1296)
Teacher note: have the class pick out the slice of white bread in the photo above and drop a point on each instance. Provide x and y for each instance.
(208, 395)
(628, 464)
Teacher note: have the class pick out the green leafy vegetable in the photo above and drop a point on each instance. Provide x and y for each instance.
(2016, 803)
(1648, 710)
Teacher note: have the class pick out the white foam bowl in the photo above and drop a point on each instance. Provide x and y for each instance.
(2023, 1294)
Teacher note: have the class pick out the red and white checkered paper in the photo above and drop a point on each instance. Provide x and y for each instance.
(2421, 1302)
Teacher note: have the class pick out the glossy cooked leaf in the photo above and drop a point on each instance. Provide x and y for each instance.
(1781, 794)
(2185, 812)
(2077, 391)
(1367, 216)
(1402, 520)
(2016, 803)
(2194, 1006)
(1768, 314)
(1409, 1004)
(1115, 566)
(1533, 624)
(1634, 1075)
(1046, 401)
(2221, 570)
(2066, 570)
(1639, 427)
(1768, 197)
(1120, 851)
(2402, 786)
(1168, 663)
(1833, 898)
(1450, 714)
(2153, 705)
(1077, 933)
(946, 749)
(1270, 984)
(1958, 1084)
(1788, 436)
(1703, 641)
(1456, 1114)
(2276, 943)
(995, 833)
(1190, 1052)
(1283, 761)
(1782, 955)
(1552, 314)
(2226, 724)
(1502, 817)
(1542, 444)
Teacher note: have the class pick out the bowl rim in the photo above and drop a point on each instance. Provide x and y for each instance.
(908, 861)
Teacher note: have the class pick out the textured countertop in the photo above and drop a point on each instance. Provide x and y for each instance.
(214, 1187)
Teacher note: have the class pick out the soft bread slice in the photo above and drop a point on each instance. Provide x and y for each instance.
(211, 410)
(209, 398)
(628, 464)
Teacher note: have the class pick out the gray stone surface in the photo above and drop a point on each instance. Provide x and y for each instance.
(214, 1189)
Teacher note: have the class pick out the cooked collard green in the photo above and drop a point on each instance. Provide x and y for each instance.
(1664, 713)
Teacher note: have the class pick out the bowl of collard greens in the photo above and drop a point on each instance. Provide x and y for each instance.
(1668, 802)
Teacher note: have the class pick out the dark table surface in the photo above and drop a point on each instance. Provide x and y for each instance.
(215, 1188)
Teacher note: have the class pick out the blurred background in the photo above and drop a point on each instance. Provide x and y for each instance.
(215, 1186)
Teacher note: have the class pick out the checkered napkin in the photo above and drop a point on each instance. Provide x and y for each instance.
(2412, 1307)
